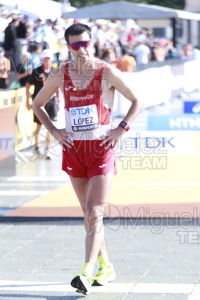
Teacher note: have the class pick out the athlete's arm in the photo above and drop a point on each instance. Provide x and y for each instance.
(116, 80)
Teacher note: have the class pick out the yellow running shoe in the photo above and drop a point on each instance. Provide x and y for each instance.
(104, 275)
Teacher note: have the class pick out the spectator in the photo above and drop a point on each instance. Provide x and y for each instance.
(24, 69)
(188, 52)
(49, 35)
(21, 41)
(38, 79)
(126, 63)
(159, 52)
(171, 51)
(99, 39)
(39, 33)
(21, 28)
(10, 42)
(108, 54)
(36, 50)
(142, 53)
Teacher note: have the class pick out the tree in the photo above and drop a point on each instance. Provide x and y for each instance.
(177, 4)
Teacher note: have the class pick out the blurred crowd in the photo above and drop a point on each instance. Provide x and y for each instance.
(23, 39)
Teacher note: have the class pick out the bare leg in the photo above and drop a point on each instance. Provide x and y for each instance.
(48, 140)
(38, 127)
(98, 188)
(80, 186)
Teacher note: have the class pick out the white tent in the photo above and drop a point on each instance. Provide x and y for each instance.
(126, 10)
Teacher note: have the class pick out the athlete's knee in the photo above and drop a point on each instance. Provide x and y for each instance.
(94, 211)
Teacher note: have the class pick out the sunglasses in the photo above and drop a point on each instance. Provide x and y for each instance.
(82, 44)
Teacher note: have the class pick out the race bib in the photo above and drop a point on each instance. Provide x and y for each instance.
(84, 118)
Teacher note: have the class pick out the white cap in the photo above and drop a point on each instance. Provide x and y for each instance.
(47, 53)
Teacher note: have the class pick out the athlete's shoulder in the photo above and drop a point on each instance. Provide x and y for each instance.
(111, 71)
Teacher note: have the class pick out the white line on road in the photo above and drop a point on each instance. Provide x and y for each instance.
(138, 288)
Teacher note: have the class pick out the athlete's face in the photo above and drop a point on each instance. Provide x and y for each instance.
(81, 46)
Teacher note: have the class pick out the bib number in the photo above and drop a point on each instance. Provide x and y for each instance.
(84, 118)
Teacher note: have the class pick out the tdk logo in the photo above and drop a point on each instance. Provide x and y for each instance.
(82, 110)
(184, 123)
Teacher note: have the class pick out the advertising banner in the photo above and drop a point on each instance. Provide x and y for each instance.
(191, 107)
(7, 134)
(157, 143)
(7, 124)
(180, 122)
(24, 122)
